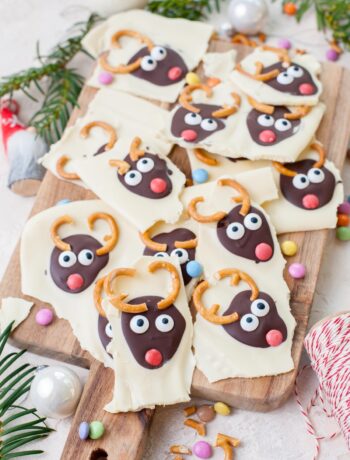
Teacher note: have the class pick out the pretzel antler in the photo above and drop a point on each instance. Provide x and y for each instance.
(318, 164)
(264, 108)
(54, 232)
(111, 240)
(228, 110)
(192, 210)
(244, 195)
(133, 34)
(283, 170)
(85, 130)
(301, 111)
(258, 75)
(205, 157)
(162, 247)
(236, 277)
(135, 152)
(168, 301)
(60, 169)
(186, 95)
(121, 165)
(97, 296)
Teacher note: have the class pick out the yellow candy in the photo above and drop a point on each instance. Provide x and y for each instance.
(289, 248)
(222, 408)
(192, 78)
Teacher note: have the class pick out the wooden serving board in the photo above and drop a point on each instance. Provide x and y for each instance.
(126, 433)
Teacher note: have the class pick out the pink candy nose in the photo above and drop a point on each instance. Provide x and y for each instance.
(189, 135)
(267, 136)
(174, 73)
(306, 89)
(153, 357)
(274, 338)
(311, 201)
(263, 251)
(75, 281)
(158, 185)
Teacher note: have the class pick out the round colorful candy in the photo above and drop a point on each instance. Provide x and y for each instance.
(284, 43)
(192, 78)
(200, 175)
(332, 55)
(263, 251)
(105, 78)
(297, 271)
(64, 201)
(84, 430)
(194, 269)
(343, 220)
(289, 248)
(202, 449)
(44, 316)
(290, 8)
(343, 233)
(222, 408)
(206, 413)
(344, 208)
(96, 430)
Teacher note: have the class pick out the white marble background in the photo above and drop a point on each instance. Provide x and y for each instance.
(278, 435)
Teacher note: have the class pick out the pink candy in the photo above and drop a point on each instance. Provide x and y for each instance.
(158, 185)
(332, 55)
(202, 449)
(274, 338)
(44, 317)
(344, 208)
(284, 43)
(311, 201)
(263, 251)
(297, 271)
(105, 78)
(267, 136)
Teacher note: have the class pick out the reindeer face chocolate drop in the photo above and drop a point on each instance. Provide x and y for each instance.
(311, 188)
(294, 79)
(75, 270)
(155, 335)
(246, 236)
(259, 323)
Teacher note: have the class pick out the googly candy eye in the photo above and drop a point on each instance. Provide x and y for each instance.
(295, 71)
(86, 257)
(148, 63)
(145, 165)
(301, 181)
(67, 259)
(181, 254)
(260, 307)
(158, 53)
(284, 78)
(235, 231)
(316, 175)
(209, 124)
(265, 120)
(108, 330)
(161, 254)
(139, 324)
(249, 322)
(252, 221)
(133, 177)
(282, 124)
(164, 323)
(192, 119)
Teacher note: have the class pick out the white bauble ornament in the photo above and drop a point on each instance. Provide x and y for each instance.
(225, 29)
(55, 391)
(247, 16)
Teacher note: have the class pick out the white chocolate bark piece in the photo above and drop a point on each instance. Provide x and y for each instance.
(123, 112)
(184, 41)
(245, 353)
(13, 309)
(219, 65)
(131, 193)
(37, 249)
(139, 382)
(287, 91)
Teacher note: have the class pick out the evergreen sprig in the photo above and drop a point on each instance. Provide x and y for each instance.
(14, 431)
(194, 10)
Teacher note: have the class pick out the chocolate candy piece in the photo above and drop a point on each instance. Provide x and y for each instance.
(96, 429)
(222, 408)
(84, 430)
(289, 248)
(206, 413)
(202, 449)
(297, 271)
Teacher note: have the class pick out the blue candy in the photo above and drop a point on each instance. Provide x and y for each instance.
(200, 175)
(64, 201)
(194, 269)
(84, 429)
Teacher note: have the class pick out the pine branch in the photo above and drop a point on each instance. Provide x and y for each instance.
(194, 10)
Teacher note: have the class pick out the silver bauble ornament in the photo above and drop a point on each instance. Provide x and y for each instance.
(247, 16)
(55, 391)
(225, 29)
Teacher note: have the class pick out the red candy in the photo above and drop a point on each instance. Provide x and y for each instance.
(153, 357)
(158, 185)
(306, 89)
(267, 136)
(75, 281)
(274, 338)
(263, 251)
(174, 73)
(189, 135)
(311, 201)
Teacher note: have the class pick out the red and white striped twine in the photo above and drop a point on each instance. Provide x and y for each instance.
(328, 346)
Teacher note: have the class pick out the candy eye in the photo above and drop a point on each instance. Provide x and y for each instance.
(235, 231)
(181, 254)
(139, 324)
(260, 307)
(249, 322)
(67, 259)
(108, 330)
(208, 124)
(86, 257)
(295, 71)
(145, 165)
(252, 221)
(148, 63)
(316, 175)
(158, 53)
(161, 254)
(164, 323)
(192, 119)
(284, 78)
(301, 181)
(282, 124)
(133, 177)
(265, 120)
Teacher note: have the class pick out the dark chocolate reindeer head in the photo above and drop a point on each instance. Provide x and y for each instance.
(244, 230)
(307, 184)
(143, 173)
(77, 259)
(180, 243)
(156, 64)
(284, 76)
(196, 122)
(251, 317)
(152, 326)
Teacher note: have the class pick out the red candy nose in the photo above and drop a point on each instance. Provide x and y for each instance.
(267, 136)
(311, 202)
(274, 338)
(158, 185)
(174, 73)
(306, 88)
(153, 357)
(75, 281)
(189, 135)
(263, 251)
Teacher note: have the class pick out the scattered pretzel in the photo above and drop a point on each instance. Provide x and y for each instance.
(111, 239)
(135, 153)
(192, 210)
(97, 296)
(205, 157)
(228, 110)
(85, 130)
(227, 443)
(241, 39)
(168, 301)
(54, 232)
(236, 277)
(186, 95)
(60, 169)
(190, 410)
(177, 449)
(149, 243)
(198, 426)
(264, 108)
(244, 195)
(300, 112)
(121, 165)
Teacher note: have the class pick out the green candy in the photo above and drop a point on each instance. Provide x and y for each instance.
(343, 233)
(96, 430)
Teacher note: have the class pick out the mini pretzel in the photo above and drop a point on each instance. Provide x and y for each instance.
(205, 157)
(189, 244)
(60, 169)
(258, 75)
(111, 239)
(228, 110)
(177, 449)
(300, 112)
(264, 108)
(97, 296)
(168, 301)
(198, 426)
(244, 195)
(85, 130)
(54, 232)
(227, 443)
(236, 277)
(283, 170)
(281, 53)
(241, 39)
(121, 165)
(190, 410)
(133, 34)
(135, 153)
(186, 96)
(149, 243)
(192, 210)
(318, 164)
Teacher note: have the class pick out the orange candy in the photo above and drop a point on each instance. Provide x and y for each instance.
(290, 8)
(343, 220)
